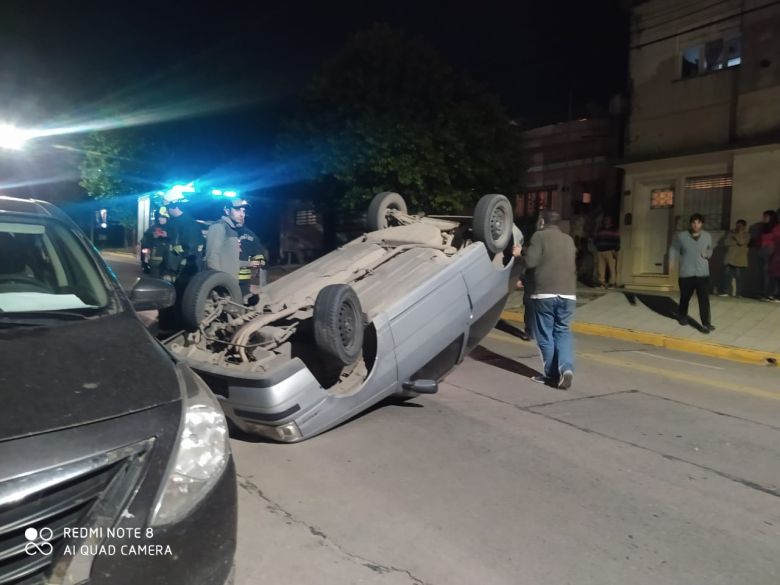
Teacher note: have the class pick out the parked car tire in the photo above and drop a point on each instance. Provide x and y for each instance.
(338, 323)
(492, 223)
(201, 293)
(377, 209)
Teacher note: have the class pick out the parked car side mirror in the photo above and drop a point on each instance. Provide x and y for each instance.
(152, 293)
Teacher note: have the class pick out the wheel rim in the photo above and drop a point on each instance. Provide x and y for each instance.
(497, 223)
(347, 325)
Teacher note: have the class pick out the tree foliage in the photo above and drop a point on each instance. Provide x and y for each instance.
(388, 114)
(106, 171)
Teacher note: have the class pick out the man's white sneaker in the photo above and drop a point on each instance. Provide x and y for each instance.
(566, 379)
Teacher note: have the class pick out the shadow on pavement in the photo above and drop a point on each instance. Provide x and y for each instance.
(486, 356)
(664, 306)
(512, 330)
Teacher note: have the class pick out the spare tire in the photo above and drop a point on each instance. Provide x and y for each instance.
(377, 209)
(201, 294)
(338, 323)
(492, 223)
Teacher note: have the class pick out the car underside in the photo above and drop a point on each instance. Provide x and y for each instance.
(333, 317)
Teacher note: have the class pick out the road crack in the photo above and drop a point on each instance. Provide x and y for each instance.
(705, 409)
(250, 487)
(531, 409)
(772, 491)
(543, 404)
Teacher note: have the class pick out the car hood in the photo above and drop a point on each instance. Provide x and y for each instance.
(79, 372)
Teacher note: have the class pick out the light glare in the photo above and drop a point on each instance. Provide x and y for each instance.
(13, 138)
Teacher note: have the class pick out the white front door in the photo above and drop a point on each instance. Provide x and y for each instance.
(655, 250)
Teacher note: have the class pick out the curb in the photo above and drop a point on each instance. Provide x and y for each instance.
(726, 352)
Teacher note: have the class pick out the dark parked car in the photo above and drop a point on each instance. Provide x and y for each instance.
(115, 461)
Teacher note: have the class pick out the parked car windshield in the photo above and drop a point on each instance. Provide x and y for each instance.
(46, 269)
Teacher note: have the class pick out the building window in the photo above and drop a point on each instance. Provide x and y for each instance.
(661, 198)
(713, 55)
(530, 203)
(710, 196)
(306, 217)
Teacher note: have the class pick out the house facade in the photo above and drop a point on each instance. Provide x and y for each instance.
(704, 127)
(569, 167)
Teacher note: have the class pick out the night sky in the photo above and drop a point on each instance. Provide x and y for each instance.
(215, 77)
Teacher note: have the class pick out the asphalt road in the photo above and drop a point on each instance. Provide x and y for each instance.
(655, 468)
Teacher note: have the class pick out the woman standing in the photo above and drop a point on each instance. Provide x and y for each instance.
(770, 233)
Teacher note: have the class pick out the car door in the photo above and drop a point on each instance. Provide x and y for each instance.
(428, 334)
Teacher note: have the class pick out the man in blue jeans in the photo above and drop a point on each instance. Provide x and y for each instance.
(551, 255)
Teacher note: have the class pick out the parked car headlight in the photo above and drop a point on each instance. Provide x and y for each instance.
(201, 454)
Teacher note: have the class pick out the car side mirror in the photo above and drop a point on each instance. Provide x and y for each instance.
(152, 293)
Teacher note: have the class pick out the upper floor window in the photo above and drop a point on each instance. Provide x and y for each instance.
(306, 217)
(711, 56)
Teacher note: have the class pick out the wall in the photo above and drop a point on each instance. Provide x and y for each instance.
(673, 115)
(717, 122)
(572, 157)
(756, 183)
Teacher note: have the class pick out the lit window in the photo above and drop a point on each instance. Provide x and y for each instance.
(530, 203)
(710, 196)
(306, 217)
(711, 56)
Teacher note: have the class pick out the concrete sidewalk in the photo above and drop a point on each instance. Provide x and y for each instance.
(747, 330)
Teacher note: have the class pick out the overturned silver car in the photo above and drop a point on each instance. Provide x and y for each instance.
(389, 313)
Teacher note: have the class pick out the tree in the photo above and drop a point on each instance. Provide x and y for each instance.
(388, 114)
(106, 169)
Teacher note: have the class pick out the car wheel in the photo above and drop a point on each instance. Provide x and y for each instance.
(377, 209)
(203, 293)
(492, 224)
(338, 323)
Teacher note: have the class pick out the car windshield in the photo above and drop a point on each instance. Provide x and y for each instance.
(46, 271)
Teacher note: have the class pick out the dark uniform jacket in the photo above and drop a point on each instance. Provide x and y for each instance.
(187, 243)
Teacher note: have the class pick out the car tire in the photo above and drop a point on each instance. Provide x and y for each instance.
(199, 295)
(338, 323)
(377, 209)
(492, 223)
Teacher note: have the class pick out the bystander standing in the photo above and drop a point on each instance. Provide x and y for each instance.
(607, 243)
(770, 232)
(736, 261)
(693, 248)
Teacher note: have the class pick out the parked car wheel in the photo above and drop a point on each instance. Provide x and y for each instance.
(380, 204)
(492, 224)
(338, 323)
(203, 293)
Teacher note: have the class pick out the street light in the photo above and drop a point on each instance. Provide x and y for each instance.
(13, 138)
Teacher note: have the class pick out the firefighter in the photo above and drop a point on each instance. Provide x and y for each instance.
(223, 249)
(187, 242)
(251, 260)
(155, 245)
(184, 259)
